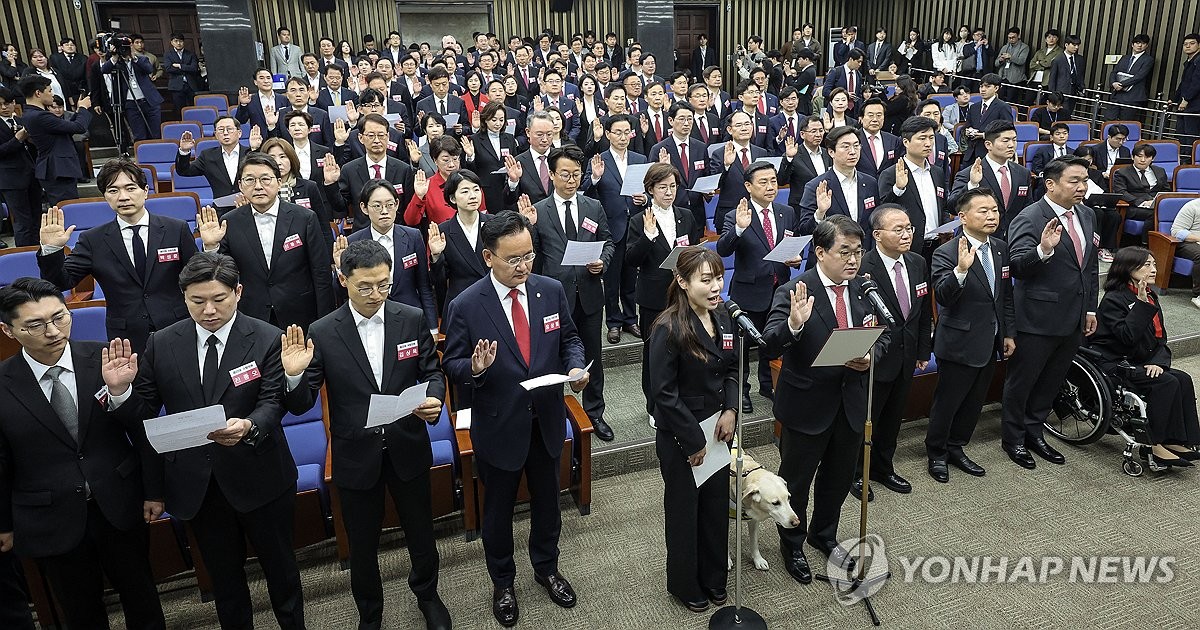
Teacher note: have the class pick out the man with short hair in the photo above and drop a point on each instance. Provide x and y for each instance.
(334, 94)
(849, 43)
(1129, 81)
(329, 56)
(982, 114)
(552, 96)
(1066, 73)
(57, 167)
(1043, 59)
(998, 171)
(1139, 183)
(916, 185)
(1186, 95)
(297, 92)
(142, 102)
(442, 102)
(846, 75)
(183, 72)
(1059, 133)
(843, 189)
(718, 98)
(19, 189)
(732, 163)
(689, 156)
(376, 164)
(261, 109)
(218, 165)
(810, 161)
(533, 176)
(1010, 65)
(881, 149)
(286, 56)
(1105, 155)
(879, 53)
(977, 55)
(71, 68)
(312, 74)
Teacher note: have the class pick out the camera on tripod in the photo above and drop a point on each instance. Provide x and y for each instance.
(115, 44)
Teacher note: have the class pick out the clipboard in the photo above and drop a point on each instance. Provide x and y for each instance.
(847, 344)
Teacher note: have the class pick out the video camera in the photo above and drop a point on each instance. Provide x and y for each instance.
(118, 44)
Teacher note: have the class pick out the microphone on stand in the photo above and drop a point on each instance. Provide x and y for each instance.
(870, 291)
(744, 322)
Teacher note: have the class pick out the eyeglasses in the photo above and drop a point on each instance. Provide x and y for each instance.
(846, 254)
(390, 205)
(544, 135)
(383, 289)
(849, 147)
(265, 180)
(226, 130)
(901, 231)
(568, 176)
(665, 188)
(59, 322)
(375, 136)
(517, 260)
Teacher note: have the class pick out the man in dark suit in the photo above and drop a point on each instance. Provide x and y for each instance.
(810, 161)
(75, 484)
(525, 73)
(143, 103)
(19, 189)
(334, 93)
(719, 99)
(841, 190)
(254, 108)
(1186, 96)
(183, 72)
(879, 53)
(747, 98)
(982, 114)
(320, 127)
(71, 68)
(376, 164)
(279, 248)
(903, 282)
(57, 167)
(822, 409)
(219, 164)
(881, 149)
(977, 55)
(842, 50)
(348, 352)
(789, 122)
(1053, 248)
(689, 156)
(1138, 184)
(755, 227)
(136, 257)
(1129, 81)
(1066, 73)
(731, 163)
(804, 81)
(1106, 154)
(220, 356)
(916, 185)
(603, 181)
(510, 326)
(703, 56)
(846, 75)
(1059, 132)
(970, 278)
(533, 176)
(566, 216)
(1010, 182)
(442, 102)
(940, 158)
(552, 96)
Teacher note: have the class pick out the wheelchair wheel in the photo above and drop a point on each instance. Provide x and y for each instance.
(1132, 467)
(1083, 408)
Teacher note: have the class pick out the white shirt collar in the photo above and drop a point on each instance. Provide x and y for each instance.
(825, 281)
(888, 261)
(376, 318)
(376, 235)
(502, 290)
(144, 221)
(973, 241)
(1058, 210)
(272, 212)
(915, 167)
(222, 333)
(39, 369)
(845, 179)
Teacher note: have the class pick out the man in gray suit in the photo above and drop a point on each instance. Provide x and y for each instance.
(566, 216)
(1010, 65)
(1128, 81)
(285, 57)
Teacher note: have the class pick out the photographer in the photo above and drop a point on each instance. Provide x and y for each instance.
(750, 56)
(131, 81)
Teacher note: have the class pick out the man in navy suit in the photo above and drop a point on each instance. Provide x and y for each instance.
(57, 167)
(552, 96)
(748, 97)
(689, 156)
(1066, 73)
(810, 160)
(981, 114)
(1059, 132)
(751, 232)
(217, 164)
(916, 185)
(508, 327)
(136, 257)
(19, 189)
(841, 190)
(731, 163)
(842, 51)
(997, 171)
(846, 76)
(789, 122)
(977, 55)
(143, 103)
(183, 72)
(321, 130)
(441, 101)
(1105, 155)
(606, 174)
(333, 94)
(881, 149)
(254, 108)
(1186, 96)
(1129, 79)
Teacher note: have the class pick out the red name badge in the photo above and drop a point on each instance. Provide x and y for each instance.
(320, 162)
(682, 241)
(1022, 191)
(1095, 239)
(698, 165)
(567, 113)
(314, 129)
(399, 189)
(589, 225)
(292, 242)
(941, 192)
(550, 323)
(1004, 272)
(505, 152)
(304, 202)
(406, 350)
(396, 97)
(921, 289)
(941, 156)
(891, 155)
(168, 254)
(391, 146)
(409, 261)
(762, 129)
(869, 203)
(787, 234)
(727, 342)
(869, 321)
(245, 374)
(102, 396)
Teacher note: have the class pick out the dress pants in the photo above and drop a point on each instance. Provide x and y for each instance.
(182, 98)
(222, 531)
(589, 326)
(697, 524)
(646, 317)
(25, 211)
(828, 456)
(59, 189)
(1170, 405)
(890, 399)
(499, 499)
(957, 401)
(1110, 220)
(123, 557)
(1190, 251)
(14, 597)
(363, 511)
(1035, 373)
(144, 120)
(759, 318)
(1188, 128)
(620, 287)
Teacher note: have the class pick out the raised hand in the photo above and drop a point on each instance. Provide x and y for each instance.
(468, 148)
(826, 120)
(212, 229)
(437, 241)
(597, 129)
(538, 104)
(791, 147)
(1051, 235)
(297, 352)
(476, 121)
(53, 234)
(597, 168)
(801, 306)
(730, 154)
(525, 207)
(745, 215)
(243, 95)
(644, 124)
(901, 175)
(966, 255)
(414, 151)
(339, 245)
(331, 169)
(341, 133)
(649, 223)
(515, 171)
(824, 199)
(663, 156)
(483, 356)
(186, 142)
(352, 113)
(271, 115)
(256, 138)
(118, 366)
(977, 171)
(420, 184)
(1142, 292)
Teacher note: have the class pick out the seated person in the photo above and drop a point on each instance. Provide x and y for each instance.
(1138, 184)
(1131, 328)
(1109, 217)
(1051, 112)
(1186, 228)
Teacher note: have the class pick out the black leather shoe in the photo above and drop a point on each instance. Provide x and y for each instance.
(966, 465)
(856, 490)
(697, 606)
(937, 470)
(634, 330)
(797, 566)
(1021, 456)
(436, 615)
(747, 406)
(1045, 451)
(838, 556)
(767, 393)
(559, 589)
(601, 429)
(895, 483)
(614, 335)
(718, 596)
(504, 606)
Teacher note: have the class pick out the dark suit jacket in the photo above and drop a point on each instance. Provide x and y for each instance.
(1052, 296)
(502, 411)
(52, 137)
(297, 288)
(325, 98)
(911, 341)
(607, 191)
(16, 159)
(531, 182)
(43, 470)
(134, 306)
(454, 105)
(1061, 77)
(968, 310)
(687, 390)
(186, 75)
(249, 476)
(1189, 85)
(653, 283)
(253, 113)
(836, 78)
(340, 363)
(1126, 182)
(1100, 155)
(142, 69)
(550, 242)
(1125, 329)
(806, 397)
(988, 54)
(754, 279)
(210, 165)
(495, 185)
(803, 171)
(697, 167)
(72, 74)
(978, 119)
(1134, 89)
(733, 179)
(1043, 156)
(868, 199)
(355, 175)
(712, 128)
(460, 265)
(893, 150)
(762, 137)
(566, 107)
(321, 131)
(307, 194)
(841, 51)
(1019, 198)
(879, 56)
(911, 200)
(778, 123)
(410, 270)
(702, 61)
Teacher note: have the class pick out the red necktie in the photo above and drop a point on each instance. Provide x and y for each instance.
(683, 159)
(657, 127)
(850, 88)
(791, 127)
(544, 174)
(762, 105)
(768, 229)
(1005, 184)
(378, 174)
(745, 159)
(703, 130)
(839, 306)
(520, 324)
(1069, 216)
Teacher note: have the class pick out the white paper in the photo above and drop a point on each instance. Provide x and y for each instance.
(553, 379)
(451, 120)
(1037, 76)
(713, 149)
(386, 409)
(185, 429)
(672, 259)
(503, 170)
(773, 161)
(1093, 189)
(788, 248)
(462, 419)
(945, 228)
(634, 182)
(581, 253)
(707, 184)
(392, 118)
(228, 201)
(337, 111)
(716, 453)
(846, 344)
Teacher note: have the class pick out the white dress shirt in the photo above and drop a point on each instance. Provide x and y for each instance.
(506, 302)
(266, 100)
(470, 231)
(849, 186)
(889, 265)
(818, 160)
(67, 377)
(370, 332)
(265, 223)
(127, 233)
(621, 160)
(664, 221)
(385, 240)
(202, 336)
(382, 167)
(231, 163)
(304, 155)
(562, 211)
(923, 179)
(975, 245)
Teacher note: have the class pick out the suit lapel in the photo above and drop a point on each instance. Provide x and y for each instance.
(821, 303)
(28, 392)
(116, 242)
(495, 310)
(187, 361)
(393, 336)
(154, 234)
(349, 333)
(87, 376)
(237, 348)
(283, 229)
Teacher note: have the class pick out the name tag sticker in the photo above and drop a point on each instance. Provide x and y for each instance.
(406, 350)
(320, 162)
(921, 289)
(550, 323)
(589, 225)
(941, 192)
(292, 242)
(1022, 191)
(505, 152)
(1004, 272)
(168, 254)
(698, 165)
(567, 113)
(941, 156)
(245, 374)
(891, 155)
(682, 241)
(314, 129)
(762, 129)
(409, 261)
(787, 233)
(304, 202)
(1095, 239)
(396, 97)
(399, 189)
(727, 341)
(869, 203)
(869, 320)
(102, 396)
(391, 146)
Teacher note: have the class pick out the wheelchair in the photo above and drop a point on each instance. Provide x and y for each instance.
(1092, 404)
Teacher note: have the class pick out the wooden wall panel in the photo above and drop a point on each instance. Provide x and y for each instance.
(528, 17)
(42, 23)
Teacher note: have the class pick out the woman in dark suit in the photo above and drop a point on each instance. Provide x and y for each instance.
(651, 237)
(693, 377)
(487, 159)
(455, 249)
(295, 189)
(1131, 329)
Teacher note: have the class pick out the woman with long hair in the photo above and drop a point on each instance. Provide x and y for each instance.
(899, 106)
(835, 114)
(492, 144)
(39, 64)
(911, 54)
(295, 189)
(945, 53)
(474, 98)
(693, 378)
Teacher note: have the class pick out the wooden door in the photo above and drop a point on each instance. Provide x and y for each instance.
(155, 25)
(690, 23)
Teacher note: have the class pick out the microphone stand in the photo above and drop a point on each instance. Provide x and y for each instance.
(737, 616)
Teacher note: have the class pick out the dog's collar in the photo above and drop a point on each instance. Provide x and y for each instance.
(733, 473)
